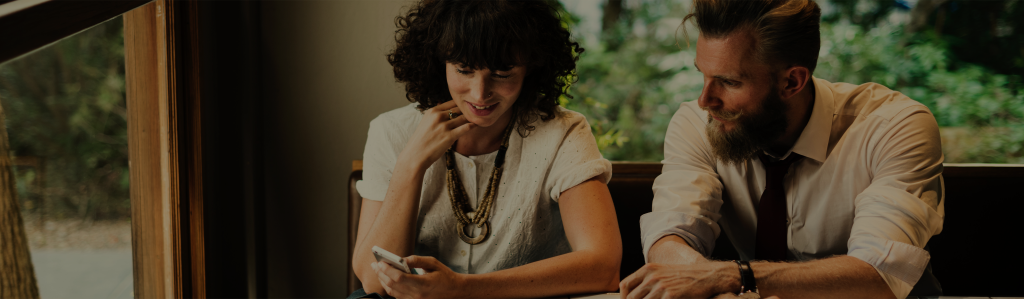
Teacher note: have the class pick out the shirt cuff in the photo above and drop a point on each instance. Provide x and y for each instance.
(368, 191)
(696, 232)
(600, 169)
(901, 261)
(898, 287)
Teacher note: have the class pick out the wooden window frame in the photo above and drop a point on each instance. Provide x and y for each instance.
(164, 129)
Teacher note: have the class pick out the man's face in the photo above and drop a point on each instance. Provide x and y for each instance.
(745, 111)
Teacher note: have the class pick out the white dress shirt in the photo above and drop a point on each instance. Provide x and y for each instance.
(525, 224)
(870, 185)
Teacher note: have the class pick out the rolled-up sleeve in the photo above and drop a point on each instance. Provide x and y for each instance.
(577, 159)
(383, 144)
(688, 193)
(904, 205)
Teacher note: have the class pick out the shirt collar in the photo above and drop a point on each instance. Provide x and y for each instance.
(813, 141)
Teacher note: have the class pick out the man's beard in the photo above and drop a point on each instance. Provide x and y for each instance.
(753, 132)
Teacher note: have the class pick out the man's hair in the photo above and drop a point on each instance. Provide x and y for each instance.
(785, 32)
(486, 34)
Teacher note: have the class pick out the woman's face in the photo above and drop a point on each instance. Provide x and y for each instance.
(484, 96)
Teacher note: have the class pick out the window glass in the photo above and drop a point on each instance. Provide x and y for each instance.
(67, 125)
(962, 59)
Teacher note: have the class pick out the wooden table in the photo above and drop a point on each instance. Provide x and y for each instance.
(616, 296)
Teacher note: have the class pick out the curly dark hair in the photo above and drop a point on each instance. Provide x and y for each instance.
(495, 34)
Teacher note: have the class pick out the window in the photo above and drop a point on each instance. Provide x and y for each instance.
(161, 93)
(66, 120)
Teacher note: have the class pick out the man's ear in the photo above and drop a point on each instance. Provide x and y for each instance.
(794, 79)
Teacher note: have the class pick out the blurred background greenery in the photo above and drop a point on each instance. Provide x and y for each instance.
(67, 124)
(963, 59)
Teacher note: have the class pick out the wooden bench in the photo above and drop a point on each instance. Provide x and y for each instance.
(975, 255)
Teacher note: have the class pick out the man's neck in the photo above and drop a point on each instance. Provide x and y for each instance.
(798, 113)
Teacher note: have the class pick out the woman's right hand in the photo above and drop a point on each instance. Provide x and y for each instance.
(434, 135)
(439, 281)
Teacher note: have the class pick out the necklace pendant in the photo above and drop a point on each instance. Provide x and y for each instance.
(484, 230)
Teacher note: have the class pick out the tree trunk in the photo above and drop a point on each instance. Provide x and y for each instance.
(17, 277)
(919, 14)
(612, 11)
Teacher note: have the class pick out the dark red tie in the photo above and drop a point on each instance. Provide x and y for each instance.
(772, 226)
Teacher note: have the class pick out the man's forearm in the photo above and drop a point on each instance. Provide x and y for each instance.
(673, 250)
(836, 277)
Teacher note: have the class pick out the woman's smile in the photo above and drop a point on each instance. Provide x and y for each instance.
(482, 110)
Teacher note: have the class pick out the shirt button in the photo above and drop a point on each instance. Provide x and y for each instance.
(463, 253)
(470, 165)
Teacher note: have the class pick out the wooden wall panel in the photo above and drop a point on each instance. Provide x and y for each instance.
(184, 74)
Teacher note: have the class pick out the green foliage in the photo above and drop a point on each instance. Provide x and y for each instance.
(630, 93)
(863, 13)
(988, 33)
(65, 104)
(959, 94)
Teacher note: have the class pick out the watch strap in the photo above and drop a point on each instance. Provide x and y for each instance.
(747, 281)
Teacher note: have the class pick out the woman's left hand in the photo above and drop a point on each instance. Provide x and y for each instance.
(438, 282)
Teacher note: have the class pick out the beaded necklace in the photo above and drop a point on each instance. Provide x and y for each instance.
(460, 202)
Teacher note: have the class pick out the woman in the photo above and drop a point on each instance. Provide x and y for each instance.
(498, 191)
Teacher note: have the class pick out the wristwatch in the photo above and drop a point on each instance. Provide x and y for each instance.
(747, 281)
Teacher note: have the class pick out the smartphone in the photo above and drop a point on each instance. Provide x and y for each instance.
(391, 258)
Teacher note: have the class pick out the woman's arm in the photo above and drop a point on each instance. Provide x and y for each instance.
(588, 216)
(391, 224)
(367, 215)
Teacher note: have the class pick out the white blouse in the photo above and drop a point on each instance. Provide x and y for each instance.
(525, 224)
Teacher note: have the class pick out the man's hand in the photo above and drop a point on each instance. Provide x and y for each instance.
(701, 280)
(747, 295)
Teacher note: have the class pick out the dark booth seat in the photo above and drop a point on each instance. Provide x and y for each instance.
(975, 255)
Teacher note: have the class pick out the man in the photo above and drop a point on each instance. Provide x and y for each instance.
(828, 189)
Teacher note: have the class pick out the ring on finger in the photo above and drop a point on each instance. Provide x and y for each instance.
(452, 115)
